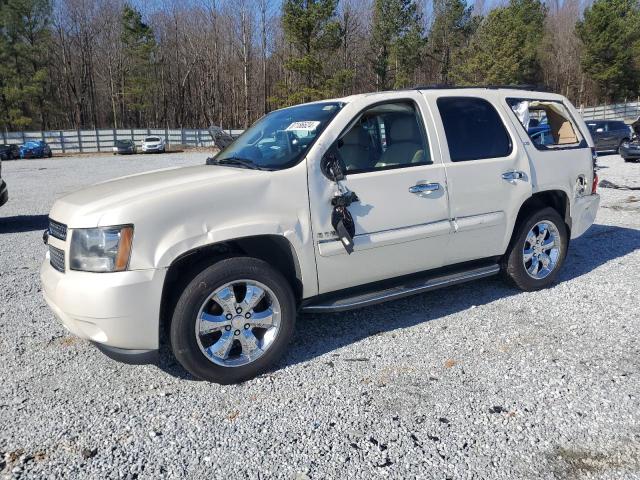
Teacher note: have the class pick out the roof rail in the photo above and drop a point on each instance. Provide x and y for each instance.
(537, 88)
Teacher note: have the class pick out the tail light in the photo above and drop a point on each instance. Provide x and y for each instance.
(594, 158)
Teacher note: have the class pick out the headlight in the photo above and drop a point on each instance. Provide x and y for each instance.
(103, 249)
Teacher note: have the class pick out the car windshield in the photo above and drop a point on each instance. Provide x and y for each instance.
(281, 138)
(152, 139)
(123, 143)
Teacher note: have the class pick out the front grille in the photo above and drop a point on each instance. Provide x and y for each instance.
(58, 230)
(56, 258)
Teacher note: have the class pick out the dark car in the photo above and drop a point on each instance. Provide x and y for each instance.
(609, 134)
(9, 152)
(35, 149)
(124, 147)
(4, 194)
(630, 150)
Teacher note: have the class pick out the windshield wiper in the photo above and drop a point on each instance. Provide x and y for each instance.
(236, 162)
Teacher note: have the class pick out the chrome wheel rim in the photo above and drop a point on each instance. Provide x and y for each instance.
(541, 250)
(238, 323)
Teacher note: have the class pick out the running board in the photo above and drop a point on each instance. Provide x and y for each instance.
(340, 304)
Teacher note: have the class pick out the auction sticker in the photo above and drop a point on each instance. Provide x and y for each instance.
(309, 125)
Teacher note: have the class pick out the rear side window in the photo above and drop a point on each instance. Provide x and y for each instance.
(548, 123)
(473, 128)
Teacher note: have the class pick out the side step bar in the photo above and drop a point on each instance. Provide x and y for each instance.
(340, 304)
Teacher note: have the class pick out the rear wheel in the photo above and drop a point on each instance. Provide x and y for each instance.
(537, 251)
(233, 320)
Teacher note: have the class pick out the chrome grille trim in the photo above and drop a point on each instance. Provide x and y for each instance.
(58, 230)
(56, 258)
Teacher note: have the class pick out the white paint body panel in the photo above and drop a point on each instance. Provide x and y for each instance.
(177, 210)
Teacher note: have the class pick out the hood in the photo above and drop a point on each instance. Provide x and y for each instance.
(116, 201)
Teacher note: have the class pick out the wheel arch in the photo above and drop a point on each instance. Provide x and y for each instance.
(556, 199)
(273, 249)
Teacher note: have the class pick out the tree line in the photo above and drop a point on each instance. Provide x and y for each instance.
(112, 64)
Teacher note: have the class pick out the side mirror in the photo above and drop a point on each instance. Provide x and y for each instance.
(331, 166)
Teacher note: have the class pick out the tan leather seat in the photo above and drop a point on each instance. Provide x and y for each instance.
(355, 150)
(405, 144)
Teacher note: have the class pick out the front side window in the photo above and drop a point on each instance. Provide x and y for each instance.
(281, 138)
(473, 128)
(384, 136)
(547, 122)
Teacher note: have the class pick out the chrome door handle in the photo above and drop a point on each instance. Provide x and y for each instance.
(424, 188)
(514, 175)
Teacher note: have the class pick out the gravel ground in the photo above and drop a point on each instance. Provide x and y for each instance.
(474, 381)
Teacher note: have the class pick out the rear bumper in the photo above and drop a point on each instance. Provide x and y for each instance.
(118, 311)
(583, 214)
(4, 193)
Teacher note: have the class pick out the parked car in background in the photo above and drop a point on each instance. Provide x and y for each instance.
(153, 145)
(536, 126)
(609, 135)
(630, 150)
(124, 147)
(9, 152)
(321, 207)
(542, 138)
(4, 193)
(35, 149)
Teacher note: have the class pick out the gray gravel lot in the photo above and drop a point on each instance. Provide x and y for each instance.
(474, 381)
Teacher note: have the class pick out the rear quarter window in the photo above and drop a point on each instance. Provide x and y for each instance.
(473, 129)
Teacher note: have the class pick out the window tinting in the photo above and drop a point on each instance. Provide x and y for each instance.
(473, 128)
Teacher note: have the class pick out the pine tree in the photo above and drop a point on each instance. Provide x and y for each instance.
(453, 25)
(506, 48)
(397, 42)
(140, 45)
(24, 40)
(610, 33)
(311, 27)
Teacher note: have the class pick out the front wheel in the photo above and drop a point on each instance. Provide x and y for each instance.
(233, 320)
(537, 251)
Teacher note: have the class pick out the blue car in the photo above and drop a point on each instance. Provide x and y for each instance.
(536, 126)
(35, 149)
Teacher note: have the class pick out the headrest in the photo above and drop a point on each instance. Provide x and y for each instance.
(356, 136)
(403, 129)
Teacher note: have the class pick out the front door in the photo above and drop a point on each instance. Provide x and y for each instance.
(401, 219)
(487, 170)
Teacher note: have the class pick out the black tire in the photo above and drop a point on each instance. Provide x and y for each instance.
(182, 332)
(513, 266)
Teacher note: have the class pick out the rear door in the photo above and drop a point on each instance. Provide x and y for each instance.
(488, 172)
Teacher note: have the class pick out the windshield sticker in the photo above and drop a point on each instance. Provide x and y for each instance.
(309, 126)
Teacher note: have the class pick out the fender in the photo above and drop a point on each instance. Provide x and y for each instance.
(173, 247)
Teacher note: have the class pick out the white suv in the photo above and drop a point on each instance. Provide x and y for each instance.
(321, 207)
(153, 145)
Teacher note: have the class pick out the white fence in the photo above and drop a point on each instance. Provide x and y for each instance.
(616, 111)
(103, 140)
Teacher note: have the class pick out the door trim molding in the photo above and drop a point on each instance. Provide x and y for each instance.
(384, 238)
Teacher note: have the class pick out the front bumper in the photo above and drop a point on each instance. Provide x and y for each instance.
(4, 193)
(630, 152)
(117, 311)
(154, 148)
(583, 214)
